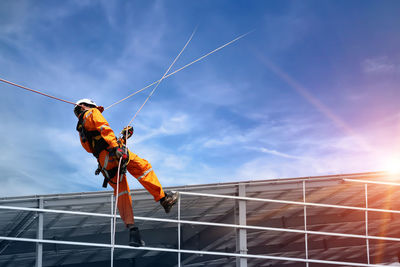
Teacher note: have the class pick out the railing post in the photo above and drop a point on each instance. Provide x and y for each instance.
(305, 221)
(366, 222)
(242, 236)
(179, 232)
(39, 235)
(112, 219)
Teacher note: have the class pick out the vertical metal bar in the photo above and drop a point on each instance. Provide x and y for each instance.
(179, 232)
(111, 219)
(366, 222)
(305, 222)
(242, 242)
(112, 230)
(39, 235)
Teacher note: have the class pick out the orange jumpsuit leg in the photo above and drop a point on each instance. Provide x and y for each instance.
(124, 200)
(143, 172)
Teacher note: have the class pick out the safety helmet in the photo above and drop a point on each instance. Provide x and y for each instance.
(85, 101)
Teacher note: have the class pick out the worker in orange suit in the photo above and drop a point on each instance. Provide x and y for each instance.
(98, 138)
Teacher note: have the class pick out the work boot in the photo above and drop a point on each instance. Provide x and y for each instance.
(134, 237)
(169, 200)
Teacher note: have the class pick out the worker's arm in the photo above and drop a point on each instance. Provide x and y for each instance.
(96, 121)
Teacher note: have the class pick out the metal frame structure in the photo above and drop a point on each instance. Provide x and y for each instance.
(240, 226)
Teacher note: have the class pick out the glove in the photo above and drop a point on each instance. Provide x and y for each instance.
(120, 152)
(127, 132)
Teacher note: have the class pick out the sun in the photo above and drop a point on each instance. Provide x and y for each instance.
(392, 166)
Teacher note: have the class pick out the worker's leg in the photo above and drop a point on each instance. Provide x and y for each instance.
(124, 200)
(143, 172)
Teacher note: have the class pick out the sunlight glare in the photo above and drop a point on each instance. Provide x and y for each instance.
(392, 166)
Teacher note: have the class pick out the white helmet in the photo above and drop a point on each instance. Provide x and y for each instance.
(86, 101)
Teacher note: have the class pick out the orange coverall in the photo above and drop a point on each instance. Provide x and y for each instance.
(140, 168)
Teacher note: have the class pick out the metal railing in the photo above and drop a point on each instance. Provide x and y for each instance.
(180, 222)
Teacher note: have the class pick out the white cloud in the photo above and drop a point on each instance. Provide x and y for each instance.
(42, 159)
(292, 28)
(267, 132)
(379, 65)
(177, 162)
(275, 153)
(224, 140)
(204, 111)
(210, 89)
(13, 16)
(158, 122)
(331, 154)
(310, 164)
(58, 72)
(18, 17)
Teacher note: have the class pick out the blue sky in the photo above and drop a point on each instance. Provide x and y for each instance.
(313, 90)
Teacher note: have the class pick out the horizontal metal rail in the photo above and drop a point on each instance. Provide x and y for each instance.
(103, 245)
(370, 182)
(216, 196)
(249, 227)
(290, 202)
(198, 252)
(339, 177)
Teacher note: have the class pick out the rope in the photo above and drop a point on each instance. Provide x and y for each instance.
(35, 91)
(151, 93)
(178, 70)
(126, 135)
(144, 88)
(126, 148)
(163, 77)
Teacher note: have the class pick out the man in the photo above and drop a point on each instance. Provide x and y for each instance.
(98, 138)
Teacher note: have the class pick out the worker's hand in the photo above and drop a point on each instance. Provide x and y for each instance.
(121, 152)
(98, 170)
(126, 132)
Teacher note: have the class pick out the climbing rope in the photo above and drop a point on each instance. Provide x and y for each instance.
(156, 83)
(126, 147)
(162, 78)
(178, 70)
(35, 91)
(144, 88)
(137, 112)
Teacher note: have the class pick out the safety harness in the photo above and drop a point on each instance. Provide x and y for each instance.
(98, 144)
(109, 174)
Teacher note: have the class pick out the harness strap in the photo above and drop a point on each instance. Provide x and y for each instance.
(94, 138)
(105, 172)
(106, 161)
(98, 144)
(109, 174)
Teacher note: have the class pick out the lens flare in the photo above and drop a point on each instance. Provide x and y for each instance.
(392, 166)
